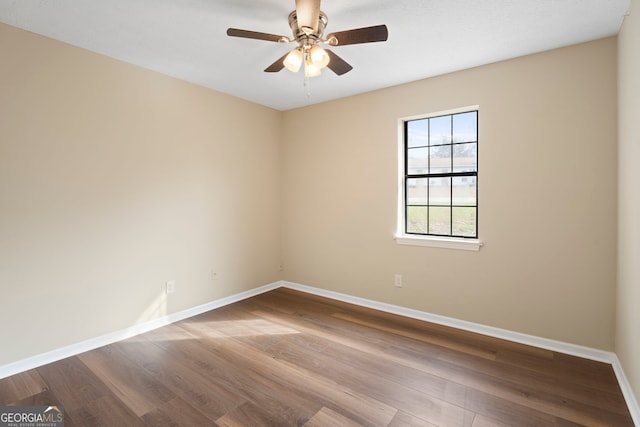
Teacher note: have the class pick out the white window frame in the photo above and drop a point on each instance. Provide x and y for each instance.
(422, 240)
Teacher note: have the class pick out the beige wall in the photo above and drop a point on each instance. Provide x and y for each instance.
(114, 179)
(628, 309)
(547, 195)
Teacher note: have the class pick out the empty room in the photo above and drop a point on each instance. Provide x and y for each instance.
(305, 213)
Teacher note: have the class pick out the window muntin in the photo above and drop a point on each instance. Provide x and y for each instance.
(441, 175)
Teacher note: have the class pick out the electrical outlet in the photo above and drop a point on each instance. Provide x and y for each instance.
(170, 286)
(397, 280)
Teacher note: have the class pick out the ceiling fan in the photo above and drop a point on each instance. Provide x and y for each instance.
(307, 24)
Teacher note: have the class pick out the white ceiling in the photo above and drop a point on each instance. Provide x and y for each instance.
(186, 38)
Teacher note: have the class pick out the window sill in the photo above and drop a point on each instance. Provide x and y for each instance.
(440, 242)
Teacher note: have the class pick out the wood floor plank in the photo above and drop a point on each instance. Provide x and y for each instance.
(380, 352)
(484, 342)
(175, 413)
(554, 405)
(20, 386)
(247, 414)
(583, 371)
(209, 396)
(105, 411)
(482, 421)
(403, 419)
(417, 403)
(367, 365)
(72, 383)
(136, 388)
(548, 382)
(203, 356)
(328, 417)
(420, 335)
(306, 383)
(285, 358)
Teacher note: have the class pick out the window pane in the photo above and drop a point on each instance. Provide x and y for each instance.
(417, 160)
(440, 159)
(438, 149)
(417, 219)
(440, 220)
(464, 191)
(440, 130)
(416, 191)
(464, 127)
(464, 222)
(418, 133)
(440, 191)
(465, 157)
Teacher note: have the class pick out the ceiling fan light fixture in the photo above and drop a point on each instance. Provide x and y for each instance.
(293, 60)
(311, 69)
(319, 57)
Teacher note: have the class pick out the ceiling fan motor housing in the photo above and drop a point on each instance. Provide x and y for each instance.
(305, 36)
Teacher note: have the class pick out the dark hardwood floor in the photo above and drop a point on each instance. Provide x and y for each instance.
(286, 358)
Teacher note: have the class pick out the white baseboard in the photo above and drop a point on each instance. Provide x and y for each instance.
(549, 344)
(561, 347)
(92, 343)
(629, 396)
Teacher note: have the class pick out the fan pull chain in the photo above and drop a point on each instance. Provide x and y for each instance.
(307, 86)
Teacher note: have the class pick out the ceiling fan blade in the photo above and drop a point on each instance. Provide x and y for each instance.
(377, 33)
(235, 32)
(337, 64)
(308, 13)
(276, 66)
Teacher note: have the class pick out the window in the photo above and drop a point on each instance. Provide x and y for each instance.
(439, 176)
